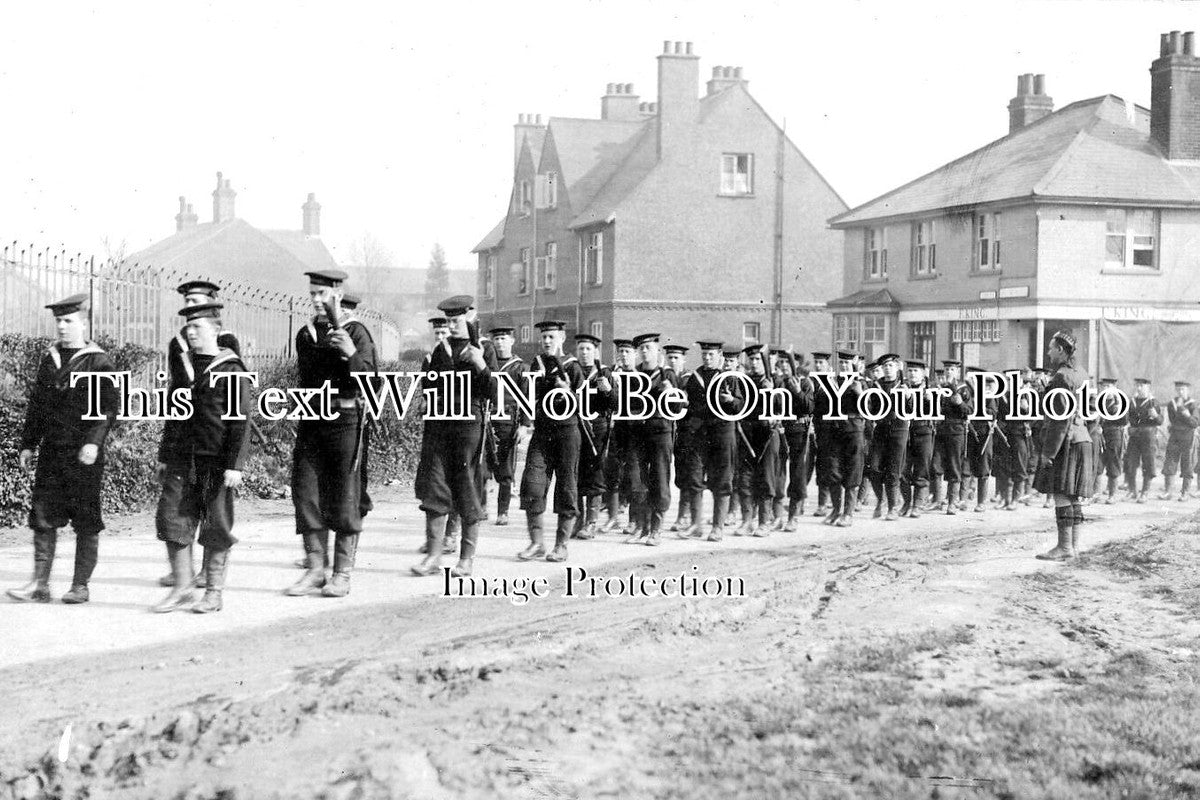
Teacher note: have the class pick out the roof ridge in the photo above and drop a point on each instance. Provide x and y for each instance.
(1060, 163)
(213, 230)
(617, 171)
(961, 160)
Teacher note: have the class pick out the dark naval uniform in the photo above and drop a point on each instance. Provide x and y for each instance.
(506, 432)
(950, 441)
(365, 505)
(1144, 420)
(64, 489)
(196, 453)
(553, 454)
(1013, 437)
(624, 482)
(798, 433)
(1181, 433)
(325, 469)
(714, 445)
(843, 454)
(593, 450)
(652, 453)
(918, 458)
(889, 444)
(758, 465)
(1115, 432)
(981, 434)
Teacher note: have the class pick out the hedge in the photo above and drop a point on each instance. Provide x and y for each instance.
(129, 483)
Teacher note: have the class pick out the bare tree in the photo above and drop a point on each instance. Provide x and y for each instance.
(371, 262)
(114, 251)
(437, 276)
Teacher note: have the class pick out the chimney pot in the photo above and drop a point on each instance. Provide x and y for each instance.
(737, 73)
(1175, 46)
(667, 46)
(1189, 43)
(716, 72)
(1164, 44)
(679, 48)
(629, 88)
(1174, 125)
(538, 120)
(689, 48)
(182, 203)
(609, 90)
(1039, 84)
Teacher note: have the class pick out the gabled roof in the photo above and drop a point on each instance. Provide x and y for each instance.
(639, 161)
(1095, 150)
(589, 151)
(236, 250)
(877, 298)
(493, 240)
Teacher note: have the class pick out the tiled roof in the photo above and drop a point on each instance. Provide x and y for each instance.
(590, 150)
(493, 239)
(1095, 150)
(866, 298)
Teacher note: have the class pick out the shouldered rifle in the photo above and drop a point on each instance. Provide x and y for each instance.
(332, 313)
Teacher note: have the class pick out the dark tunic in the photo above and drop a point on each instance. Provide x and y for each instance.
(1144, 420)
(1068, 443)
(64, 490)
(592, 478)
(554, 447)
(713, 440)
(325, 470)
(652, 444)
(205, 446)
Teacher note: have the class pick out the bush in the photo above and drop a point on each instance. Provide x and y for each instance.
(131, 447)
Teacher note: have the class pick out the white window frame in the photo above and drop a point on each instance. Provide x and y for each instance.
(596, 328)
(879, 325)
(924, 249)
(525, 196)
(525, 334)
(974, 331)
(845, 338)
(593, 257)
(737, 174)
(1132, 242)
(547, 267)
(551, 190)
(526, 254)
(751, 333)
(875, 254)
(987, 236)
(490, 263)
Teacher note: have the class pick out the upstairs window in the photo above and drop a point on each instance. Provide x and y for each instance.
(875, 254)
(596, 328)
(525, 197)
(489, 276)
(551, 190)
(987, 243)
(523, 272)
(737, 174)
(1131, 239)
(593, 258)
(547, 267)
(924, 249)
(750, 333)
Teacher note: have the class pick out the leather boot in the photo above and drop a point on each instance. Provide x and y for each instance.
(981, 493)
(535, 549)
(450, 541)
(654, 537)
(918, 502)
(466, 556)
(906, 494)
(720, 509)
(1065, 520)
(590, 518)
(952, 497)
(695, 530)
(202, 576)
(1112, 492)
(777, 520)
(880, 497)
(87, 552)
(313, 579)
(612, 508)
(822, 501)
(38, 588)
(747, 526)
(835, 505)
(561, 534)
(345, 548)
(765, 508)
(935, 498)
(641, 527)
(435, 535)
(180, 596)
(1145, 489)
(793, 512)
(681, 522)
(215, 564)
(893, 500)
(1183, 490)
(503, 497)
(1168, 480)
(846, 519)
(860, 496)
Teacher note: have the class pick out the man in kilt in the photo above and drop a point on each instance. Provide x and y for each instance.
(1065, 458)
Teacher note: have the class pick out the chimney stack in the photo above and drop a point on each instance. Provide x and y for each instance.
(528, 125)
(620, 103)
(1031, 103)
(1175, 97)
(647, 109)
(186, 218)
(724, 77)
(312, 215)
(678, 101)
(223, 197)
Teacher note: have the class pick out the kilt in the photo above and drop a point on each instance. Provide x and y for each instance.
(1070, 473)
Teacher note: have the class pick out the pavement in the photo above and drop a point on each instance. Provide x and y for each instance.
(131, 560)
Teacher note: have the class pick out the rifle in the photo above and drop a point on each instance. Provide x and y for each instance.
(331, 313)
(737, 426)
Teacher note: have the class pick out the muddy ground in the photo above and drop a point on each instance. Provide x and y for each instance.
(916, 666)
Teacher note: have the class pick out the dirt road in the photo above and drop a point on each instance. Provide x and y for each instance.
(929, 658)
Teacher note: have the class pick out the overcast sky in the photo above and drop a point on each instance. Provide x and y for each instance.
(399, 116)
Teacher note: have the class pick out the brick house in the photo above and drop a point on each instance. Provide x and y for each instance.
(691, 215)
(1086, 219)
